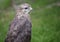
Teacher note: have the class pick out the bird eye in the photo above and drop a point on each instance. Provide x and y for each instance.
(26, 8)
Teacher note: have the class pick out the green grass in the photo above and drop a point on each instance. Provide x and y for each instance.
(5, 18)
(45, 21)
(46, 27)
(4, 4)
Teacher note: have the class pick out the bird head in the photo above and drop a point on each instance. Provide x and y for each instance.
(24, 8)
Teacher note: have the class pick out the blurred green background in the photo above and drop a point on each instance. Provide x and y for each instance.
(45, 19)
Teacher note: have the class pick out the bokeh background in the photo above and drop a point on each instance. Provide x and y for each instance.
(45, 19)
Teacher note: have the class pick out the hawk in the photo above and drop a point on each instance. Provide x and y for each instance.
(20, 27)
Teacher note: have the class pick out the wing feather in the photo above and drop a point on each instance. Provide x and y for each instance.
(15, 27)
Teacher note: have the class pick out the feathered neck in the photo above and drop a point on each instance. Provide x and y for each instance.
(20, 14)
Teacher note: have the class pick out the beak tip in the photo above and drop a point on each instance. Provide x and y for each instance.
(30, 8)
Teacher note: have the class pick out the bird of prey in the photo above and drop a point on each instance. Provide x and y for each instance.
(20, 27)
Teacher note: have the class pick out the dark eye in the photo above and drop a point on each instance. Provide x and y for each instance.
(26, 8)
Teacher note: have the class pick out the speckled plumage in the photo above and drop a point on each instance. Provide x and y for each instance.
(20, 28)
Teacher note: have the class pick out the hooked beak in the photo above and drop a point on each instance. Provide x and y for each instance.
(30, 8)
